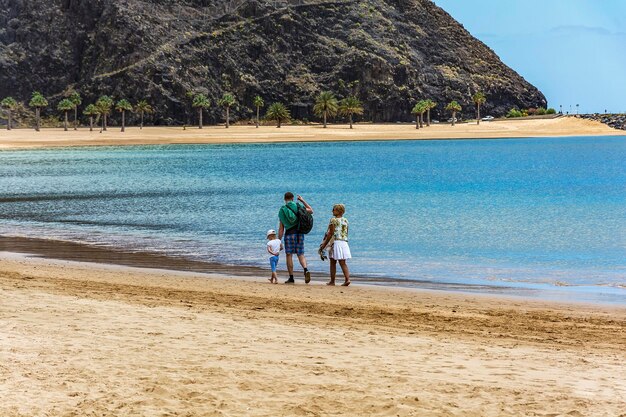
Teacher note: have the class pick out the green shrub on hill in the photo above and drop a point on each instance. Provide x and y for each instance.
(514, 113)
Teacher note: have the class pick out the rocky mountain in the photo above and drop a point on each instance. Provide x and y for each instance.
(389, 53)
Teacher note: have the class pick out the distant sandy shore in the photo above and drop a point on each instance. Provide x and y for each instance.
(88, 339)
(24, 138)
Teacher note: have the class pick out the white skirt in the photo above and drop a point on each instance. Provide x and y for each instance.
(340, 251)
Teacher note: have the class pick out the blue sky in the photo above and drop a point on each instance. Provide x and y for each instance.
(574, 51)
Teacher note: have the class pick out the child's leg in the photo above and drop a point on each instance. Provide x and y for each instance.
(333, 271)
(274, 266)
(345, 270)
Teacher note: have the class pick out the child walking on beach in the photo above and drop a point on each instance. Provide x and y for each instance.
(339, 251)
(274, 246)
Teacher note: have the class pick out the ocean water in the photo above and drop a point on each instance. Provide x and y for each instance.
(535, 214)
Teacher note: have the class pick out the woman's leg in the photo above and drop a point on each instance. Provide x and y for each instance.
(333, 271)
(346, 271)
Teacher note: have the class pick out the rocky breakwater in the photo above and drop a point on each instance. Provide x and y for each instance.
(616, 121)
(388, 53)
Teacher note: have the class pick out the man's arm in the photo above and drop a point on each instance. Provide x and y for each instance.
(306, 205)
(281, 231)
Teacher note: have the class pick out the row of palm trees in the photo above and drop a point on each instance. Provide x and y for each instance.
(326, 106)
(425, 106)
(105, 104)
(102, 108)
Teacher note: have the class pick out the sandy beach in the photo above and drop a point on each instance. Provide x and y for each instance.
(80, 339)
(566, 126)
(88, 339)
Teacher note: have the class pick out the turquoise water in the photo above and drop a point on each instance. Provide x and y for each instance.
(523, 213)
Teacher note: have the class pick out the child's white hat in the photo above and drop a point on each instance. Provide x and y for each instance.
(270, 232)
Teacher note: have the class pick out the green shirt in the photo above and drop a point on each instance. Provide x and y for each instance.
(287, 215)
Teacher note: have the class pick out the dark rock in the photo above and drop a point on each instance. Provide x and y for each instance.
(616, 121)
(390, 53)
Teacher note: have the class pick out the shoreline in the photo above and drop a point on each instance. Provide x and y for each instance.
(237, 134)
(118, 271)
(83, 339)
(98, 256)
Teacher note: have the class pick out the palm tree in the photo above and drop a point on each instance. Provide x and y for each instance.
(9, 104)
(350, 106)
(65, 105)
(479, 99)
(227, 101)
(418, 110)
(278, 112)
(104, 105)
(453, 107)
(424, 110)
(123, 106)
(76, 100)
(200, 101)
(430, 105)
(258, 103)
(91, 111)
(143, 107)
(326, 105)
(38, 101)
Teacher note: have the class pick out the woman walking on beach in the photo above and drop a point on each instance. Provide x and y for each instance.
(339, 250)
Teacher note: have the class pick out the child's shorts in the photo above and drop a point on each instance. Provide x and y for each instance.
(274, 263)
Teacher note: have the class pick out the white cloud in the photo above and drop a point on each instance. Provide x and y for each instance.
(578, 29)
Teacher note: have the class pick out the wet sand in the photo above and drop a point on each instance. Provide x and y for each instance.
(87, 339)
(565, 126)
(79, 252)
(82, 252)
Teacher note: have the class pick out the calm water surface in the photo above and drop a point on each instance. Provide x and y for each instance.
(539, 214)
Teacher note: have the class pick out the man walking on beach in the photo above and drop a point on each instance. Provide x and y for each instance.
(294, 240)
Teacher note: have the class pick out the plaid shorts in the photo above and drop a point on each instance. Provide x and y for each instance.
(294, 244)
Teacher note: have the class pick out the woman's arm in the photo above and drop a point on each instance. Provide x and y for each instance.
(329, 234)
